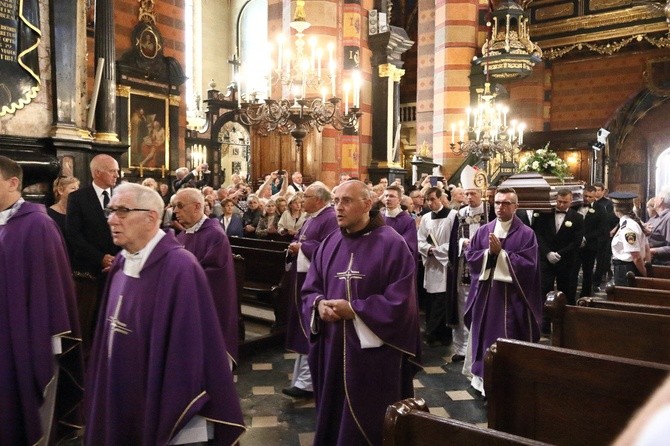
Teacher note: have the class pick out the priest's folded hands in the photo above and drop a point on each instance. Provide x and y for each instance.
(335, 310)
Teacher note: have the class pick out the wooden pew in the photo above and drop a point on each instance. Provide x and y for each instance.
(273, 245)
(633, 335)
(638, 295)
(659, 271)
(240, 271)
(647, 282)
(265, 282)
(597, 302)
(408, 423)
(562, 396)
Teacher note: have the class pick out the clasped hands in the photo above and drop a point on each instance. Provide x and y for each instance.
(553, 257)
(335, 310)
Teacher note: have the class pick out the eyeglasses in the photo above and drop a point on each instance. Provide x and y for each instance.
(503, 203)
(122, 211)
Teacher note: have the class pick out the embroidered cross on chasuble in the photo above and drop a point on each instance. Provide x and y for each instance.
(116, 326)
(367, 337)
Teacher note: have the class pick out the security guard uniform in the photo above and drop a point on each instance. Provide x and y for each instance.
(629, 239)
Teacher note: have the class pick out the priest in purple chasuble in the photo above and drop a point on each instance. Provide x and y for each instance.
(319, 224)
(400, 220)
(159, 361)
(505, 299)
(41, 366)
(205, 238)
(360, 296)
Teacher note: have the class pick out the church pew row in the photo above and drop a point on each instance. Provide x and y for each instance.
(408, 423)
(265, 282)
(659, 271)
(563, 396)
(638, 295)
(273, 245)
(632, 335)
(597, 302)
(647, 282)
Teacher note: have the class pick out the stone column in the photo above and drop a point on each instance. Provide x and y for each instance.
(387, 49)
(105, 111)
(64, 68)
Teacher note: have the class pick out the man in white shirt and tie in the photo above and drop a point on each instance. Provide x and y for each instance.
(89, 238)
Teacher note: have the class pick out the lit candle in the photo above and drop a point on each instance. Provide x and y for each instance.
(357, 89)
(319, 56)
(332, 77)
(204, 154)
(453, 130)
(162, 171)
(505, 110)
(346, 87)
(461, 133)
(467, 113)
(312, 61)
(522, 127)
(323, 94)
(288, 56)
(280, 51)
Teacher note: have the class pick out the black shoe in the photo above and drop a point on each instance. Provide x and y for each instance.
(457, 358)
(295, 392)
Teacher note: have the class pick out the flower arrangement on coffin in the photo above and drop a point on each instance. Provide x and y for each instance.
(545, 161)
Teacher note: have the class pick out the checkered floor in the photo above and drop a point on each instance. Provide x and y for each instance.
(275, 419)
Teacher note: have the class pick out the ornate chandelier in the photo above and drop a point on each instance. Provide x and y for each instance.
(311, 83)
(509, 53)
(487, 132)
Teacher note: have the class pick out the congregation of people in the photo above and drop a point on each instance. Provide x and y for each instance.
(143, 276)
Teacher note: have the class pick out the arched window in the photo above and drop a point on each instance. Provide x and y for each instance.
(663, 170)
(252, 31)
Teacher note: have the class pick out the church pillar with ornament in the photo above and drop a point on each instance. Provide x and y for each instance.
(387, 48)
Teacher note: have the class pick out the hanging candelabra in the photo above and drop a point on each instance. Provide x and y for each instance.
(298, 70)
(486, 132)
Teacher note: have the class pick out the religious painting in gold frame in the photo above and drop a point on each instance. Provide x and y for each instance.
(148, 130)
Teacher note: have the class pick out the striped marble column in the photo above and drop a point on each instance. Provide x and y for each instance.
(455, 46)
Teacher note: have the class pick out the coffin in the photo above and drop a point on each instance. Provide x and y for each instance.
(538, 192)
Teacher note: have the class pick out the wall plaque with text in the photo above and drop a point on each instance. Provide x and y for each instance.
(19, 66)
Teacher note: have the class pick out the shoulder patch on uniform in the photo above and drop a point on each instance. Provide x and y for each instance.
(631, 237)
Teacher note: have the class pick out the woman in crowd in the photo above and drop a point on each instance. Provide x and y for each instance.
(293, 218)
(282, 205)
(251, 215)
(231, 221)
(62, 188)
(267, 224)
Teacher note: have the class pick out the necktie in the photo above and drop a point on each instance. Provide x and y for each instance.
(105, 198)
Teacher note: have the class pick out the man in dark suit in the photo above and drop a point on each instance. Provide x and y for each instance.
(594, 220)
(296, 182)
(611, 221)
(559, 235)
(91, 240)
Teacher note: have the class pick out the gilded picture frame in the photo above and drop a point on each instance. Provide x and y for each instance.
(148, 130)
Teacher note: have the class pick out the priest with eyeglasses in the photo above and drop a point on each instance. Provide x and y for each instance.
(158, 371)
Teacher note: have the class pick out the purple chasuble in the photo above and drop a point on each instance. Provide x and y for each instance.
(37, 303)
(158, 356)
(405, 225)
(353, 386)
(312, 233)
(211, 247)
(496, 309)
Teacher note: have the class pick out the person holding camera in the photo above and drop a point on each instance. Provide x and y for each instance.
(192, 178)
